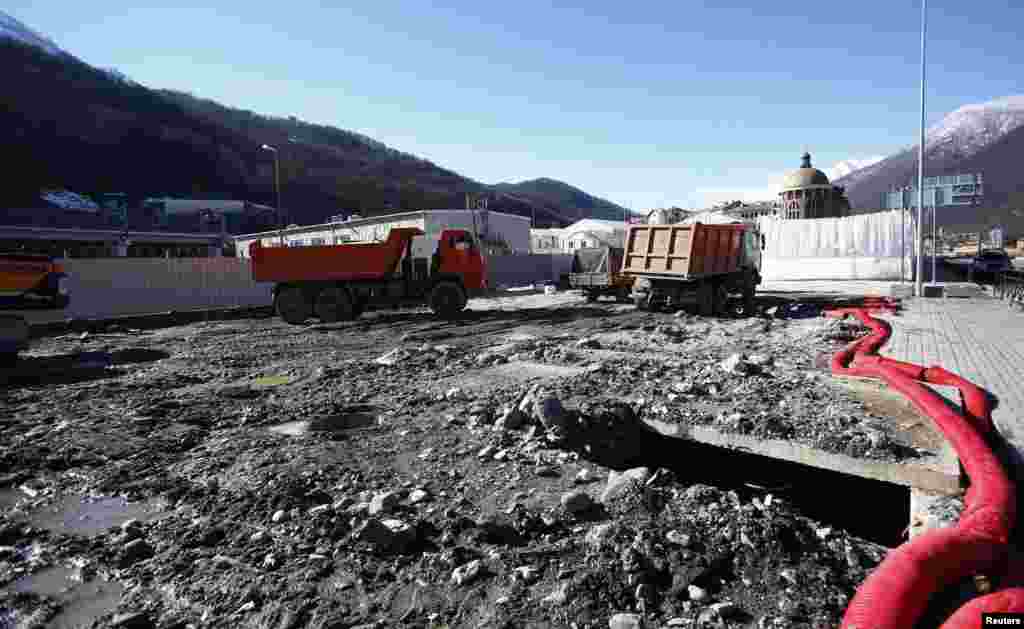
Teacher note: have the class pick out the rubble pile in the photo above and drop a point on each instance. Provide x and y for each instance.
(347, 476)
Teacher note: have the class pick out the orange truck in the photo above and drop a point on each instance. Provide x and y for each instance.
(27, 282)
(686, 263)
(339, 282)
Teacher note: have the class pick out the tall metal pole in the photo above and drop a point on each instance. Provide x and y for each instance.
(920, 163)
(934, 244)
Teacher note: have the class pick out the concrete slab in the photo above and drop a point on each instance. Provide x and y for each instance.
(928, 473)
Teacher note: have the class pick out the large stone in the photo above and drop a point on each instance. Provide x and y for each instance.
(625, 621)
(466, 573)
(511, 418)
(384, 502)
(621, 483)
(549, 412)
(386, 536)
(600, 535)
(737, 364)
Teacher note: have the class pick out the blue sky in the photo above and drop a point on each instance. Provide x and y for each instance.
(646, 104)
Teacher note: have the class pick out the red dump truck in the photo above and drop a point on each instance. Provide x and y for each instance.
(682, 264)
(339, 282)
(27, 282)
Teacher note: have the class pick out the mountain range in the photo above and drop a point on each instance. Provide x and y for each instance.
(985, 138)
(92, 130)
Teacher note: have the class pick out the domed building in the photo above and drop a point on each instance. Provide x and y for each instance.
(807, 193)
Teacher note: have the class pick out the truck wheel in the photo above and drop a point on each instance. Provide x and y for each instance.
(591, 296)
(719, 299)
(447, 299)
(642, 302)
(292, 305)
(334, 304)
(748, 299)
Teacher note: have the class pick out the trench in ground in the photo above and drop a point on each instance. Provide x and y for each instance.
(874, 510)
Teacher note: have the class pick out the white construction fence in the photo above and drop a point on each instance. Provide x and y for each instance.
(865, 247)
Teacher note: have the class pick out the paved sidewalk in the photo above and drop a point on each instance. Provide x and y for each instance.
(979, 338)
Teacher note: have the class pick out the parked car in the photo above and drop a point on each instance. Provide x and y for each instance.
(992, 261)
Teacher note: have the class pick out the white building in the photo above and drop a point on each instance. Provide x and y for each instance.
(585, 233)
(500, 232)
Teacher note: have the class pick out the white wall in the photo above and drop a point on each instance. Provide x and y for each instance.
(867, 246)
(109, 287)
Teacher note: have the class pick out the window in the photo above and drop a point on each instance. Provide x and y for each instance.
(316, 241)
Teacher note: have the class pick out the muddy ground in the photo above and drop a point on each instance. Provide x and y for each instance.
(400, 471)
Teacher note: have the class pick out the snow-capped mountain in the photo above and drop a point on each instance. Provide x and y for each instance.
(974, 127)
(847, 166)
(982, 137)
(12, 28)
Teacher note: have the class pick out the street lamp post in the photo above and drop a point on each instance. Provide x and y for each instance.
(277, 188)
(920, 162)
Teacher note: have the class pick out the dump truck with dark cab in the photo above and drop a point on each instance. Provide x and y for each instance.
(339, 282)
(683, 264)
(595, 272)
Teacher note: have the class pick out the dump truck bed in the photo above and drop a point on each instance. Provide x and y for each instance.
(344, 262)
(683, 251)
(596, 266)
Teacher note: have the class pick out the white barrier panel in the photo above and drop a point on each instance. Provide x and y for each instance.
(847, 268)
(869, 235)
(107, 287)
(865, 247)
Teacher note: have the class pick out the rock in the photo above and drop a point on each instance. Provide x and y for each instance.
(391, 358)
(559, 595)
(132, 620)
(583, 477)
(135, 550)
(320, 510)
(621, 483)
(279, 516)
(511, 418)
(418, 495)
(588, 343)
(696, 593)
(760, 360)
(454, 393)
(599, 535)
(877, 438)
(526, 574)
(486, 452)
(625, 621)
(737, 364)
(386, 536)
(678, 538)
(577, 502)
(384, 502)
(269, 561)
(467, 573)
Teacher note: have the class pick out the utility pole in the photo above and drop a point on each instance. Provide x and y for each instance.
(277, 189)
(920, 163)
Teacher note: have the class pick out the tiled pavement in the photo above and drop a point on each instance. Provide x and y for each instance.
(980, 338)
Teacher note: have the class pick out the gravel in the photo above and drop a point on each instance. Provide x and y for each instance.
(403, 485)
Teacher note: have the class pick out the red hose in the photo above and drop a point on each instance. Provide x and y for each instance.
(897, 592)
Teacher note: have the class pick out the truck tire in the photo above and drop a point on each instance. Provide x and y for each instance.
(719, 299)
(591, 296)
(642, 302)
(335, 304)
(749, 302)
(292, 305)
(447, 299)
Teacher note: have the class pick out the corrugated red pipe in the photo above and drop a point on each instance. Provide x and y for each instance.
(896, 593)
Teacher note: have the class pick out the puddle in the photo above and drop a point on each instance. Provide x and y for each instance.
(91, 516)
(80, 603)
(351, 418)
(271, 381)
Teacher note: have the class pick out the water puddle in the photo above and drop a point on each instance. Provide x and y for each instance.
(351, 418)
(93, 515)
(80, 603)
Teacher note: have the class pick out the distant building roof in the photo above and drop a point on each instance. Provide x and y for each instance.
(805, 177)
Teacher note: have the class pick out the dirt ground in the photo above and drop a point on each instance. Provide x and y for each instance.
(401, 471)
